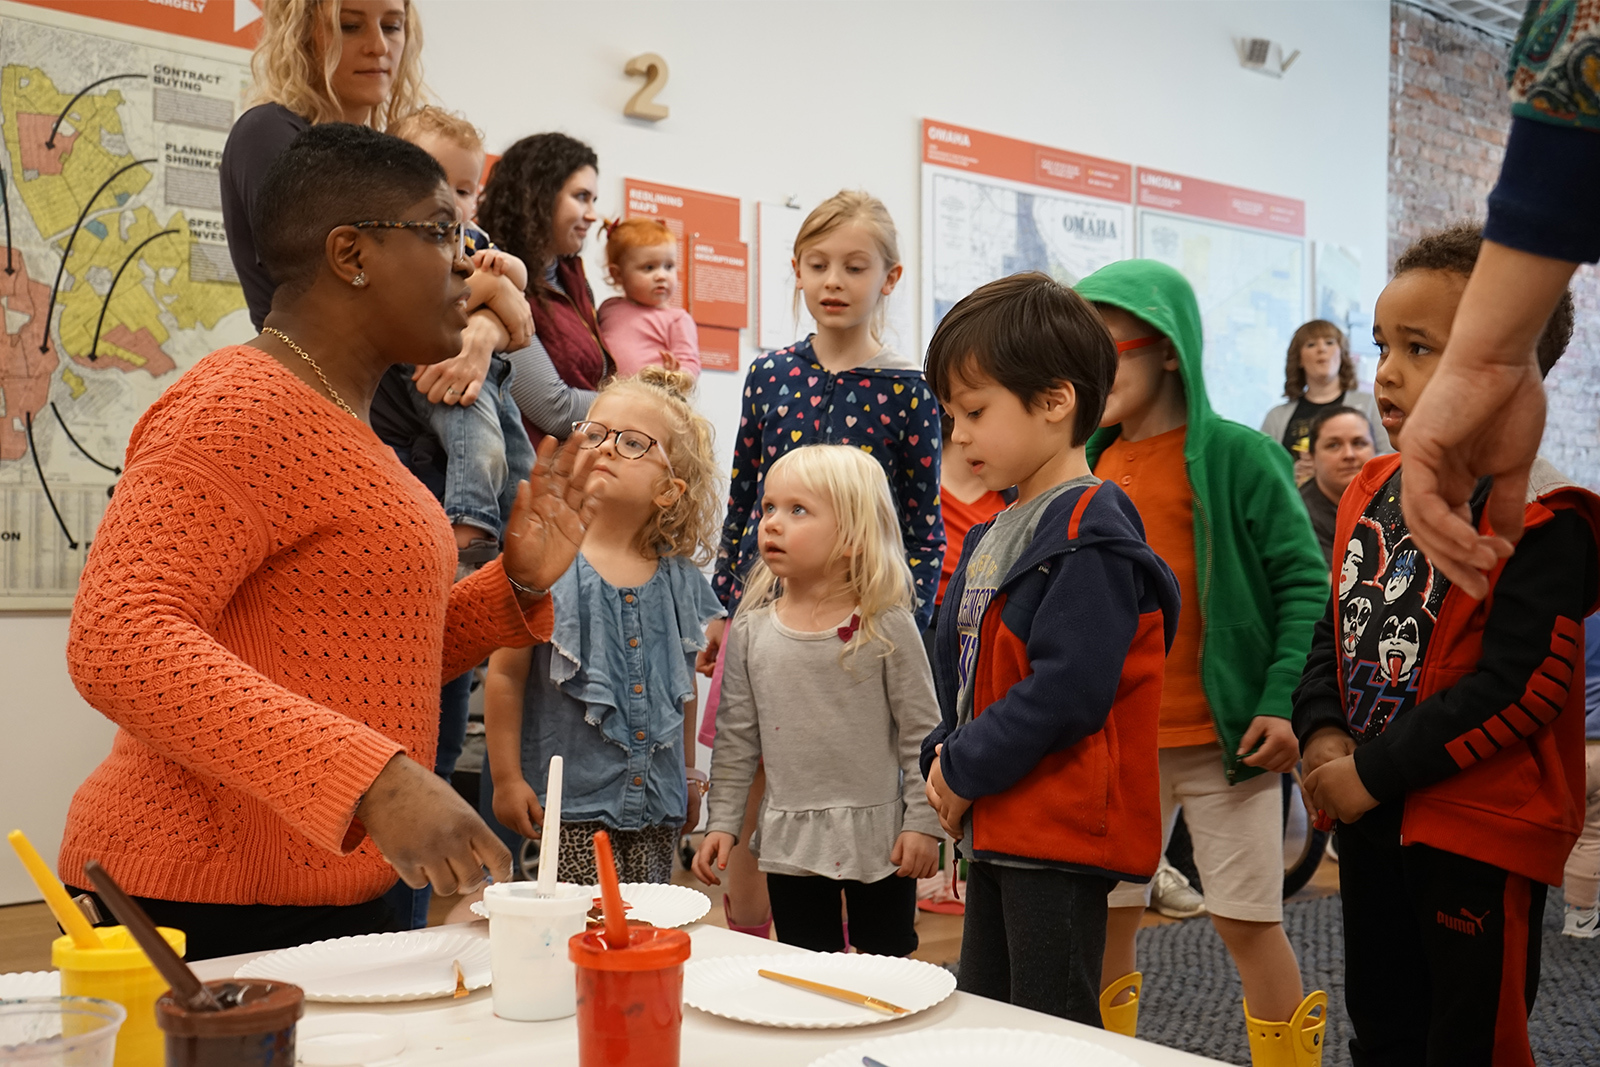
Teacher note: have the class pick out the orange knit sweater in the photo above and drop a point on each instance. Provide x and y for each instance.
(267, 614)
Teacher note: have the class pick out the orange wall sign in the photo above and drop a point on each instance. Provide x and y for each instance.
(713, 264)
(959, 148)
(1222, 203)
(230, 22)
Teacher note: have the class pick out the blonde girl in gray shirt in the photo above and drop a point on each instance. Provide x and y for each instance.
(827, 684)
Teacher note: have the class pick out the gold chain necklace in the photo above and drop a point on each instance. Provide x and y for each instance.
(303, 354)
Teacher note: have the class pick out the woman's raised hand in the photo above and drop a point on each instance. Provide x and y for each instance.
(552, 512)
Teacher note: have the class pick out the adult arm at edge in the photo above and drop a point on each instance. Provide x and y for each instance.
(1482, 414)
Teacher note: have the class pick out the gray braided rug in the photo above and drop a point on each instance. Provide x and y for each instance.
(1192, 994)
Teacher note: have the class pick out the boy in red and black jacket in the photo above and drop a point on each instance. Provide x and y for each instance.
(1051, 649)
(1446, 734)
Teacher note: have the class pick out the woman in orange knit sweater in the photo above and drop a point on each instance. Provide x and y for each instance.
(268, 612)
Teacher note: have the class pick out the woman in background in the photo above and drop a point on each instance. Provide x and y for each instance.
(1318, 375)
(538, 205)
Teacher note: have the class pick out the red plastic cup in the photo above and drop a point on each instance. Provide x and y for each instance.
(630, 1000)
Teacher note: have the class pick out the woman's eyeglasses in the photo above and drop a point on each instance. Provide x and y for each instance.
(444, 234)
(631, 444)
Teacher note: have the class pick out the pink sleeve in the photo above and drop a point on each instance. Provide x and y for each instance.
(683, 341)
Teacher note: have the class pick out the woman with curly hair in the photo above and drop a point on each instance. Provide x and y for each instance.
(1318, 376)
(538, 205)
(357, 61)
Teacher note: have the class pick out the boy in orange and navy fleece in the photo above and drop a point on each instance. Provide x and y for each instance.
(1446, 734)
(1052, 642)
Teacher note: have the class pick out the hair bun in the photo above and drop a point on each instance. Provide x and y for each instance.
(677, 382)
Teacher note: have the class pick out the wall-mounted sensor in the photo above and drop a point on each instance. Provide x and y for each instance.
(1264, 56)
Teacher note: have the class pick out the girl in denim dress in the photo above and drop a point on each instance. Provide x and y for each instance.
(613, 691)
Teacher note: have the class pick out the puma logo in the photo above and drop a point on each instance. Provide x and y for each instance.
(1469, 924)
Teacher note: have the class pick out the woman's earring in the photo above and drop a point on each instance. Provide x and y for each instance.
(360, 280)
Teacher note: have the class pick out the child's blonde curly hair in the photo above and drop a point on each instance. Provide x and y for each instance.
(690, 525)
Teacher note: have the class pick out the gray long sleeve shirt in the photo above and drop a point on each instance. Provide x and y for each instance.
(840, 742)
(546, 401)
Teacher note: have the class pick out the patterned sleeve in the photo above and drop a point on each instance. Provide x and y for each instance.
(917, 495)
(741, 492)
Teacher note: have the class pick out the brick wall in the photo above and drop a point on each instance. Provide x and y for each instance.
(1447, 132)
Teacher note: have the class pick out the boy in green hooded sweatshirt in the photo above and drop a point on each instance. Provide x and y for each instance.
(1220, 507)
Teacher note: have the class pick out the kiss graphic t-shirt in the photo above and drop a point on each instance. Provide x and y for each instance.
(1389, 597)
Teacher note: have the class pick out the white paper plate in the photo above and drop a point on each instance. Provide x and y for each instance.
(30, 984)
(376, 968)
(666, 906)
(977, 1048)
(730, 987)
(349, 1039)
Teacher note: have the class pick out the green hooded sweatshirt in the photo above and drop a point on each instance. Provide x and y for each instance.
(1262, 580)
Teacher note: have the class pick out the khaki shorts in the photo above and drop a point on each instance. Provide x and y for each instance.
(1237, 832)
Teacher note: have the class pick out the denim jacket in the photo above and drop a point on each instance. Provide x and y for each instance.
(607, 694)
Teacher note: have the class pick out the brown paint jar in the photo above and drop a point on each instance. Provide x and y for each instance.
(254, 1029)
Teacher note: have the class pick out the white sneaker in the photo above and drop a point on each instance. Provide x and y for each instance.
(1173, 896)
(1580, 922)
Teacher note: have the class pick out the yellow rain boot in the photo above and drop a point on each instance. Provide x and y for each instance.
(1122, 1018)
(1296, 1043)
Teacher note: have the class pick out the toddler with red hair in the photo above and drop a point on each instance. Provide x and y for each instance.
(641, 327)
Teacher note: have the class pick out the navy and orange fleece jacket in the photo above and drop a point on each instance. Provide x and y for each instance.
(1488, 762)
(1059, 758)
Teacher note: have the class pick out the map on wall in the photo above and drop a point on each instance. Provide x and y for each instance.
(993, 206)
(116, 275)
(1245, 255)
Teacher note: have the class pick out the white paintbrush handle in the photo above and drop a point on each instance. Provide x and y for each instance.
(550, 838)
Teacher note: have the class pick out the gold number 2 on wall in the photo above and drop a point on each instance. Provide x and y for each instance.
(642, 104)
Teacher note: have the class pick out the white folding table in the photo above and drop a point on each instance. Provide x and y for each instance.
(466, 1032)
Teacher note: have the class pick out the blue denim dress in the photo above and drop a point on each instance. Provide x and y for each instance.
(606, 693)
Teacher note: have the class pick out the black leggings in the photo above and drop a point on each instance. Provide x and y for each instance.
(883, 914)
(213, 930)
(1035, 938)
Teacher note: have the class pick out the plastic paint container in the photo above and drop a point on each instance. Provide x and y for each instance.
(630, 1000)
(121, 972)
(254, 1029)
(528, 935)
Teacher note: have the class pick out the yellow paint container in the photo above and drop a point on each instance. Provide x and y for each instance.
(120, 971)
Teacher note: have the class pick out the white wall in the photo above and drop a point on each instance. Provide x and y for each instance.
(49, 742)
(776, 99)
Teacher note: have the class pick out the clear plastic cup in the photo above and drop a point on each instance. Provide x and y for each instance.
(528, 934)
(120, 971)
(630, 1000)
(59, 1031)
